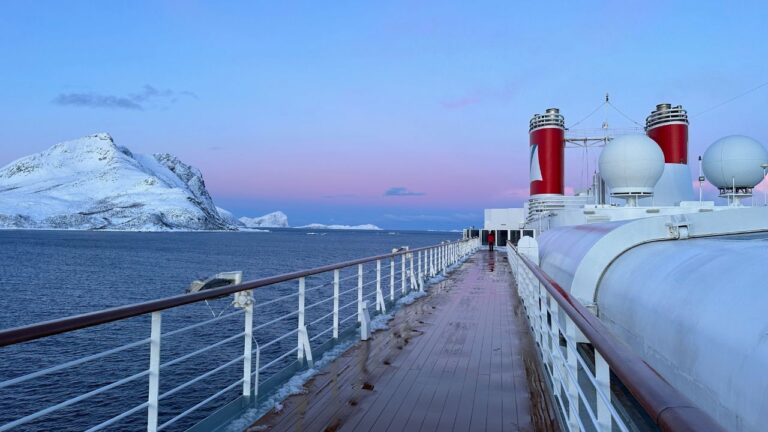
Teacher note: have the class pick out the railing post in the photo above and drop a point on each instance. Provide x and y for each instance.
(336, 304)
(413, 275)
(573, 377)
(536, 312)
(432, 262)
(603, 379)
(554, 348)
(359, 293)
(302, 289)
(248, 345)
(154, 372)
(444, 258)
(380, 306)
(365, 322)
(546, 353)
(392, 279)
(421, 275)
(256, 373)
(305, 346)
(402, 274)
(428, 263)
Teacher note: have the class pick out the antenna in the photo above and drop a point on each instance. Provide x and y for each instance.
(701, 180)
(765, 195)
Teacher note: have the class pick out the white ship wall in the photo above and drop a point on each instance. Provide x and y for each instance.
(674, 186)
(504, 219)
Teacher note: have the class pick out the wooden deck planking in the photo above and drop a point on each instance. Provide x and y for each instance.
(455, 360)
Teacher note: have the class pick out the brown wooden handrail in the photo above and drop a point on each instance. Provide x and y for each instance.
(665, 405)
(62, 325)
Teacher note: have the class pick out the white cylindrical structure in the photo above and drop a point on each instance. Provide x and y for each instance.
(698, 318)
(686, 293)
(547, 157)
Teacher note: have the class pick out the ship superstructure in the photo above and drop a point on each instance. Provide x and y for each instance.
(675, 277)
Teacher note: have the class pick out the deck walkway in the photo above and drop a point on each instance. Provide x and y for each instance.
(460, 359)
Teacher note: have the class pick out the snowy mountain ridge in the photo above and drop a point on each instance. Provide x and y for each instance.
(276, 219)
(91, 183)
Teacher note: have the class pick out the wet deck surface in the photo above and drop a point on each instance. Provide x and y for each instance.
(460, 359)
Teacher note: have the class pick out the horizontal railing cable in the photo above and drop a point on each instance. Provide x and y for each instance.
(324, 317)
(278, 319)
(279, 338)
(71, 401)
(72, 363)
(317, 336)
(318, 303)
(201, 350)
(270, 364)
(200, 377)
(118, 417)
(279, 299)
(200, 404)
(200, 324)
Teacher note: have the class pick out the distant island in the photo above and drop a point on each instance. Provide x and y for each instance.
(276, 219)
(368, 227)
(91, 183)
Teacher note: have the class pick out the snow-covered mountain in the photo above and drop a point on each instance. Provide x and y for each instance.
(276, 219)
(91, 183)
(229, 217)
(369, 227)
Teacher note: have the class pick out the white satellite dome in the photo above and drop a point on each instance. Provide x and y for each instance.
(735, 161)
(631, 165)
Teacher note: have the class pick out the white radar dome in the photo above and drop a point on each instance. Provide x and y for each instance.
(631, 165)
(735, 161)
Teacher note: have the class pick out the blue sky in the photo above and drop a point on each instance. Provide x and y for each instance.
(319, 109)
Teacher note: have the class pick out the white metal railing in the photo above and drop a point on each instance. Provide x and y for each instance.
(581, 378)
(575, 384)
(554, 203)
(320, 314)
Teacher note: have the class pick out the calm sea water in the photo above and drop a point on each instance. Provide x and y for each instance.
(52, 274)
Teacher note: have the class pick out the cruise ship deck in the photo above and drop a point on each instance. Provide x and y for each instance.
(459, 359)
